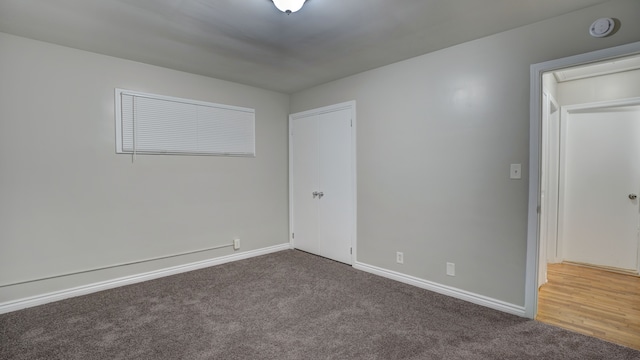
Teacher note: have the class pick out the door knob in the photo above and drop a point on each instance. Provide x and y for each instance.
(633, 196)
(320, 195)
(315, 193)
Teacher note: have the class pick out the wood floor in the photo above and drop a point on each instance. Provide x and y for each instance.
(592, 301)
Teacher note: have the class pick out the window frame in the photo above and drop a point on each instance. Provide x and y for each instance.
(120, 135)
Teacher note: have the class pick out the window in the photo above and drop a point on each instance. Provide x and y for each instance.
(155, 124)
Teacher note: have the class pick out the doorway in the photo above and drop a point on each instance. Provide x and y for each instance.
(574, 153)
(599, 184)
(322, 183)
(590, 179)
(534, 273)
(590, 166)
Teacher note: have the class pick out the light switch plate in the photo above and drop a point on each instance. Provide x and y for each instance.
(516, 171)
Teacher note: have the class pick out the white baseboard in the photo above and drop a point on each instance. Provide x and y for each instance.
(443, 289)
(109, 284)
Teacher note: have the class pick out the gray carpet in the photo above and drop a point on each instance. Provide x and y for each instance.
(287, 305)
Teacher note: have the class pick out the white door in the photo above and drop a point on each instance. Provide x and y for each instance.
(322, 182)
(601, 163)
(304, 164)
(335, 204)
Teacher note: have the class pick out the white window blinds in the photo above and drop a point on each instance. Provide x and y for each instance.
(155, 124)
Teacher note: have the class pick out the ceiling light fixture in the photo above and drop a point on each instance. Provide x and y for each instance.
(289, 6)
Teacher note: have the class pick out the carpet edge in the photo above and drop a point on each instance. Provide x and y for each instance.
(37, 300)
(443, 289)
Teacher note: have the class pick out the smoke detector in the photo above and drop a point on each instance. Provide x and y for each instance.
(602, 27)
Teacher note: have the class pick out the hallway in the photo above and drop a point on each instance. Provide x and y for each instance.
(592, 301)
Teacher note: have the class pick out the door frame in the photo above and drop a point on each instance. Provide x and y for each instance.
(351, 105)
(535, 133)
(548, 223)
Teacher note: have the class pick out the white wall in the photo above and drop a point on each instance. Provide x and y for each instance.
(600, 88)
(69, 203)
(436, 135)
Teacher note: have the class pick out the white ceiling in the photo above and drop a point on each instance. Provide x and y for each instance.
(251, 42)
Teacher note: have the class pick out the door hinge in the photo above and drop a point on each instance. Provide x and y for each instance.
(351, 122)
(351, 251)
(293, 235)
(538, 209)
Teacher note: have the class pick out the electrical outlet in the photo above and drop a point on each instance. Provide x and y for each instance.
(399, 257)
(236, 244)
(451, 269)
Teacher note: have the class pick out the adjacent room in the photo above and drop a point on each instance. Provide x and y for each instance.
(306, 179)
(589, 258)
